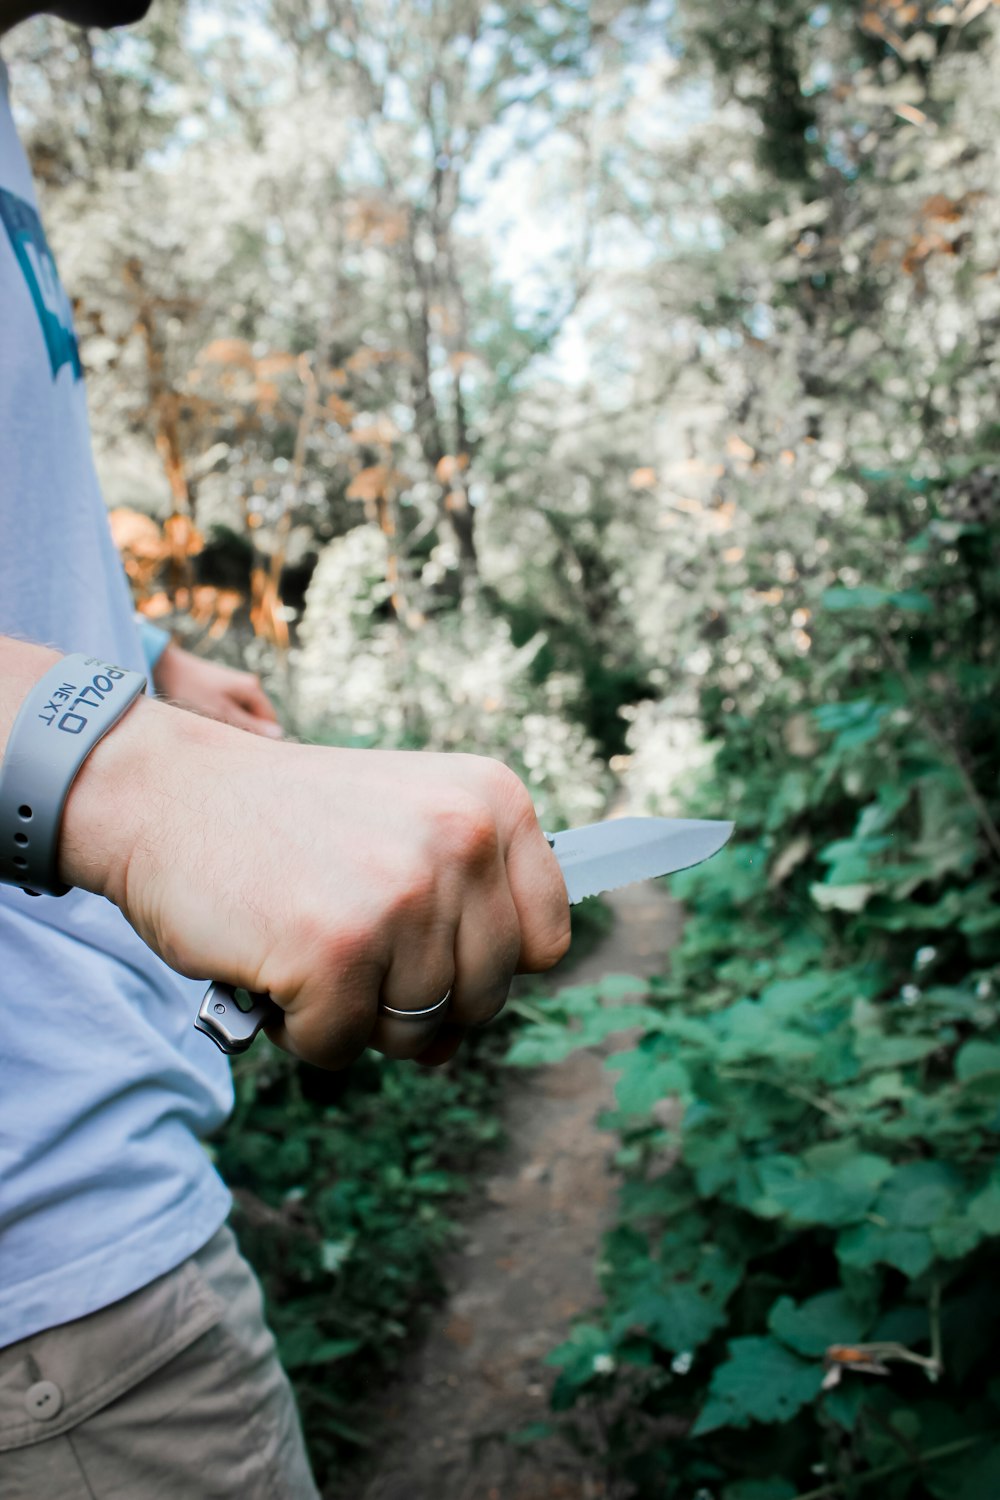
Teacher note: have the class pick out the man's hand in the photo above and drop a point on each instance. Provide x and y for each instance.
(331, 879)
(218, 692)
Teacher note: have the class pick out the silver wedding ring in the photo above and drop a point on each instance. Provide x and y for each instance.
(426, 1014)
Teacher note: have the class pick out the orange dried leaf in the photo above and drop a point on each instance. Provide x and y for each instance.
(182, 536)
(911, 114)
(135, 533)
(340, 410)
(156, 606)
(271, 365)
(380, 433)
(370, 484)
(450, 465)
(940, 206)
(267, 611)
(266, 393)
(738, 448)
(227, 352)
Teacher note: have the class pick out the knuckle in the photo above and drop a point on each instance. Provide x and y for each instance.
(337, 949)
(414, 898)
(511, 791)
(469, 830)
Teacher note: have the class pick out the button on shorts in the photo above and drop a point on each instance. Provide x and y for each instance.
(173, 1393)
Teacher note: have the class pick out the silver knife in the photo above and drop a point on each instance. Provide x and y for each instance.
(597, 857)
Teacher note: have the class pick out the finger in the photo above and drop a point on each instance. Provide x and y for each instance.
(443, 1048)
(249, 694)
(338, 1052)
(330, 1019)
(539, 893)
(414, 983)
(404, 1039)
(487, 948)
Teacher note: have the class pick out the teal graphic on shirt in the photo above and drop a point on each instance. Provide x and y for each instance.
(27, 238)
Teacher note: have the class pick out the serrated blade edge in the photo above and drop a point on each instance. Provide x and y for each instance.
(604, 856)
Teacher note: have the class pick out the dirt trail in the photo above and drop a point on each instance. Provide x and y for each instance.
(525, 1272)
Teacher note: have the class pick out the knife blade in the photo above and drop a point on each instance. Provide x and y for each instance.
(594, 858)
(603, 856)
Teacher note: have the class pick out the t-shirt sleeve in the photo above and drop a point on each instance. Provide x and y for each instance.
(154, 641)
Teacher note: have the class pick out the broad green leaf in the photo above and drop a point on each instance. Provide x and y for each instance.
(977, 1058)
(811, 1327)
(788, 997)
(868, 598)
(542, 1044)
(677, 1317)
(845, 1403)
(906, 1323)
(329, 1351)
(576, 1354)
(747, 1029)
(909, 1250)
(617, 986)
(884, 1052)
(955, 1238)
(646, 1081)
(302, 1347)
(984, 1208)
(761, 1381)
(918, 1195)
(857, 598)
(818, 1189)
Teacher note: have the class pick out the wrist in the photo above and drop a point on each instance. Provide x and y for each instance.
(99, 821)
(126, 798)
(54, 710)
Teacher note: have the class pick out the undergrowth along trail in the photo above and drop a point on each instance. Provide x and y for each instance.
(525, 1271)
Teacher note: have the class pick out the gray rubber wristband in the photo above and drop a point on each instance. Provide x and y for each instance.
(59, 723)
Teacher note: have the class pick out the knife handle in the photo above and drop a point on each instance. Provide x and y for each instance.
(231, 1025)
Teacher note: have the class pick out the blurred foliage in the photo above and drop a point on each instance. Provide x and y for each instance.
(799, 1287)
(807, 1245)
(345, 1186)
(587, 382)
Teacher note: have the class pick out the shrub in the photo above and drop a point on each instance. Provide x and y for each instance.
(800, 1288)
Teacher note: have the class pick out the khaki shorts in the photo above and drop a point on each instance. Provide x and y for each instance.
(173, 1393)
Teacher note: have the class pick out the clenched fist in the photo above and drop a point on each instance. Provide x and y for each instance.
(331, 879)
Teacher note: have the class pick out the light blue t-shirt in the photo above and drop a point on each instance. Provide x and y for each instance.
(106, 1089)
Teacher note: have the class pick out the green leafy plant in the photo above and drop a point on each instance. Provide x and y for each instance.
(346, 1187)
(800, 1288)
